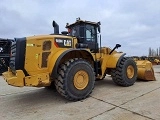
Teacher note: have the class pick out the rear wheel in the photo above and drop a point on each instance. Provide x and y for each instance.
(125, 73)
(75, 79)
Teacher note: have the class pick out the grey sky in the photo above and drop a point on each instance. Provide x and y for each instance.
(135, 24)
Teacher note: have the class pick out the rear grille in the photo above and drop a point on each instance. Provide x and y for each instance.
(47, 45)
(44, 59)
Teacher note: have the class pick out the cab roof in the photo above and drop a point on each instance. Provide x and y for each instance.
(79, 21)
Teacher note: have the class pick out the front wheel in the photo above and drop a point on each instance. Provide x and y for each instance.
(125, 74)
(75, 79)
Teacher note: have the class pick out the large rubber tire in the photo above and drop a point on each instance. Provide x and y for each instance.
(120, 75)
(65, 82)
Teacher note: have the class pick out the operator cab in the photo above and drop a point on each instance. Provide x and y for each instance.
(86, 33)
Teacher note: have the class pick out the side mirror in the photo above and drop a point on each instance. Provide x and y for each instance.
(117, 46)
(99, 28)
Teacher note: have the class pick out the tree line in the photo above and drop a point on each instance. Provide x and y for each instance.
(154, 52)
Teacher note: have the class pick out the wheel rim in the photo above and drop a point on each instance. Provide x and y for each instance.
(81, 80)
(130, 71)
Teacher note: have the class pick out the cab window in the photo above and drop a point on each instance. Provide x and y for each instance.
(90, 33)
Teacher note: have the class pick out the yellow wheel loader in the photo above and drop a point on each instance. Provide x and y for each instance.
(71, 61)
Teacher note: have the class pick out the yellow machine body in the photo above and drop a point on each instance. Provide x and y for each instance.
(40, 59)
(43, 55)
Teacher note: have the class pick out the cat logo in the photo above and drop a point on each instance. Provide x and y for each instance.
(67, 43)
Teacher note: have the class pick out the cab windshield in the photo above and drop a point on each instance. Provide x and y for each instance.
(87, 32)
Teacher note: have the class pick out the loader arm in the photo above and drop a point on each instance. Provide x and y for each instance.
(110, 61)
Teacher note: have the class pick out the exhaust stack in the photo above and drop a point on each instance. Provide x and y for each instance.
(56, 27)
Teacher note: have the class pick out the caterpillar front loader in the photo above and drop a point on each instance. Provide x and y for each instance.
(71, 61)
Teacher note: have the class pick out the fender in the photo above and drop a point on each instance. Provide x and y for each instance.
(53, 58)
(58, 56)
(120, 58)
(111, 61)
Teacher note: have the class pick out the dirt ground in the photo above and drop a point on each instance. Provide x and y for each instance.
(107, 102)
